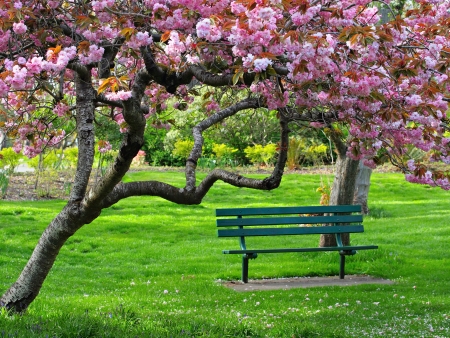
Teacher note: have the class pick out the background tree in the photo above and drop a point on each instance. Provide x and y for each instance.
(362, 184)
(320, 62)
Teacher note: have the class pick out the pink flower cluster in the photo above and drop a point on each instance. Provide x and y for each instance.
(256, 64)
(207, 30)
(104, 146)
(61, 109)
(95, 54)
(19, 28)
(58, 61)
(119, 95)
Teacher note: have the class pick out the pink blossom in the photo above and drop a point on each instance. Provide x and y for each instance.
(53, 4)
(120, 95)
(317, 125)
(413, 100)
(61, 109)
(19, 28)
(95, 54)
(35, 65)
(139, 40)
(104, 146)
(208, 31)
(322, 96)
(3, 89)
(261, 65)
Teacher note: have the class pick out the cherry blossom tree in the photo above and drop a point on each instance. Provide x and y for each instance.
(320, 61)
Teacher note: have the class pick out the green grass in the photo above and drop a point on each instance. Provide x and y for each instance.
(149, 268)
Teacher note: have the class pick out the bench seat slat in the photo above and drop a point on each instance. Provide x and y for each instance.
(290, 231)
(290, 220)
(288, 210)
(344, 248)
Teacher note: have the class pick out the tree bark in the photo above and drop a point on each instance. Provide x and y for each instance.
(362, 186)
(343, 188)
(2, 140)
(71, 218)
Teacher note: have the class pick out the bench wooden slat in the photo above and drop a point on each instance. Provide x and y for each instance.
(290, 220)
(288, 210)
(290, 231)
(343, 248)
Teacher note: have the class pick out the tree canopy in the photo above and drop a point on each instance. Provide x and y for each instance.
(320, 61)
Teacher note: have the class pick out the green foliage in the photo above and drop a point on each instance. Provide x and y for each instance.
(156, 154)
(49, 159)
(302, 153)
(415, 154)
(222, 150)
(10, 159)
(244, 129)
(104, 160)
(4, 183)
(171, 287)
(295, 150)
(224, 154)
(183, 148)
(71, 156)
(259, 155)
(316, 153)
(109, 130)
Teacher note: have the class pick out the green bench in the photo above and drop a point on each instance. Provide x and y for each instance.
(304, 220)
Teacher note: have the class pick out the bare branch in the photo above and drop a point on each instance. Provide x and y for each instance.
(195, 196)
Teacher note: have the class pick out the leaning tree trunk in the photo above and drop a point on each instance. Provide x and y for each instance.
(343, 188)
(71, 218)
(362, 187)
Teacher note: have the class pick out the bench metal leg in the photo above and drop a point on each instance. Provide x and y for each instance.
(342, 267)
(245, 268)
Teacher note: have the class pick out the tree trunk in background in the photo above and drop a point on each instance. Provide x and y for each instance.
(343, 188)
(2, 140)
(362, 187)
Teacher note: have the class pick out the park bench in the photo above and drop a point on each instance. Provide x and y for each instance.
(302, 220)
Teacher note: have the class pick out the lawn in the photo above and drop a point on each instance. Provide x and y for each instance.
(150, 268)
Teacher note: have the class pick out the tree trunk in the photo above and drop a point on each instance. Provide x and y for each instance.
(343, 188)
(362, 187)
(74, 215)
(30, 281)
(2, 140)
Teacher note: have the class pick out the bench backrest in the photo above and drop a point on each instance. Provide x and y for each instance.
(338, 216)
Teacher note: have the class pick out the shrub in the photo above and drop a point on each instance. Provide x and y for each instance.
(44, 161)
(299, 153)
(316, 153)
(183, 148)
(225, 154)
(222, 150)
(71, 156)
(295, 152)
(9, 159)
(258, 154)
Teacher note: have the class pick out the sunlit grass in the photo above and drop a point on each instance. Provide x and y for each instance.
(149, 268)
